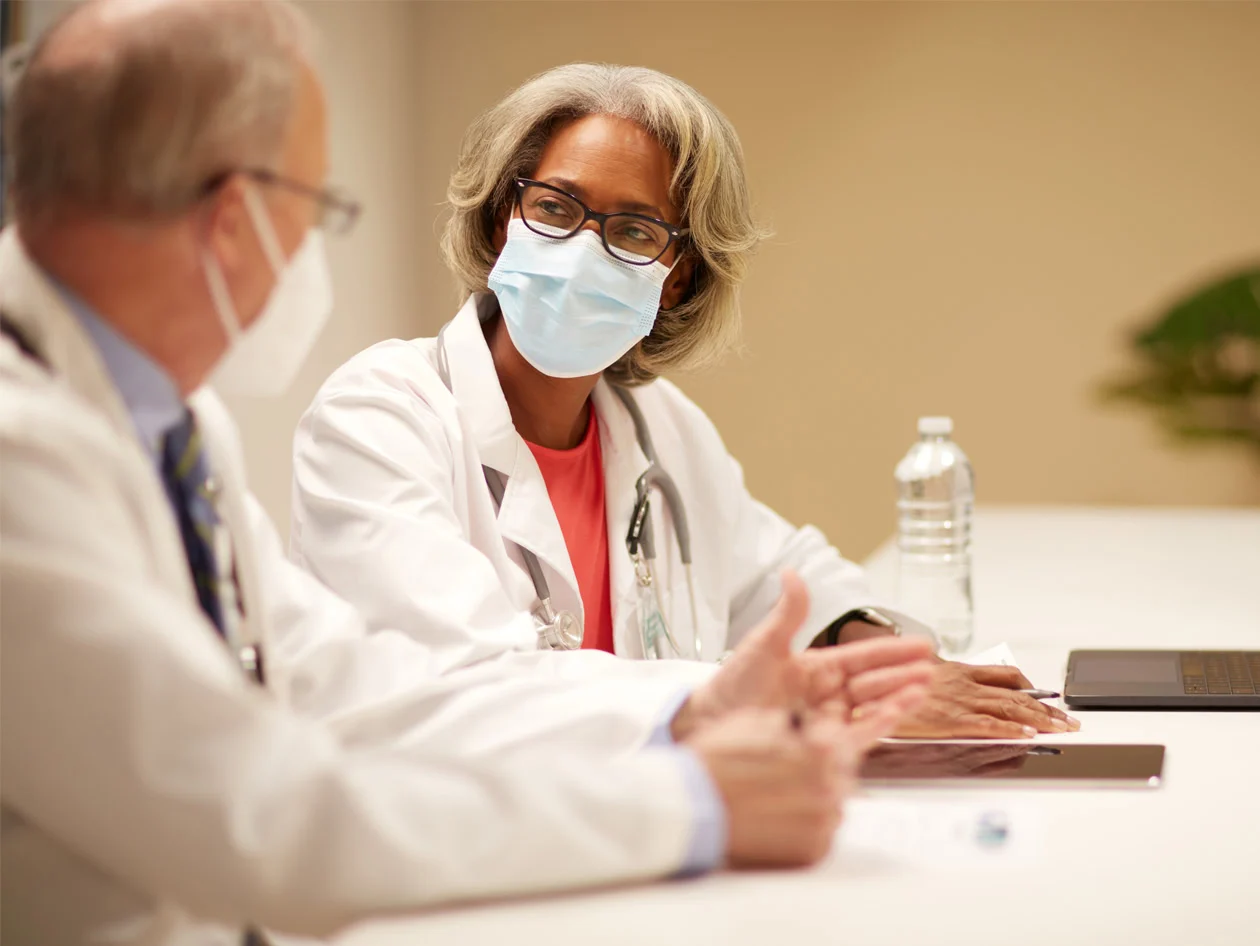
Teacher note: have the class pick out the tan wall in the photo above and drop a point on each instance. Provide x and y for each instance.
(367, 60)
(973, 203)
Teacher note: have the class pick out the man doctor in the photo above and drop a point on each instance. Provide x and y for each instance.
(163, 779)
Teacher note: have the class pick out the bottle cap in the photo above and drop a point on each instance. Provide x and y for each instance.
(936, 426)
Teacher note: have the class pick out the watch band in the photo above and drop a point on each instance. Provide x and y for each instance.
(867, 615)
(874, 616)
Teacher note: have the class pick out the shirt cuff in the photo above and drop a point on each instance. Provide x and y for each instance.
(662, 734)
(707, 847)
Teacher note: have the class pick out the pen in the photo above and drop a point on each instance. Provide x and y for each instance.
(1041, 694)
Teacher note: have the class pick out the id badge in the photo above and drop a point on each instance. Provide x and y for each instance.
(658, 642)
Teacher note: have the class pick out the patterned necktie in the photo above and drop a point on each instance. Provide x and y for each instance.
(186, 475)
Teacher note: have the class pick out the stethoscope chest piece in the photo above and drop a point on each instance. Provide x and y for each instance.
(557, 630)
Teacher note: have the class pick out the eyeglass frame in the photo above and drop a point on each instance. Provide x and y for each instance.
(346, 208)
(676, 234)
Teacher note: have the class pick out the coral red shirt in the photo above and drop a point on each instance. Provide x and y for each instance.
(575, 483)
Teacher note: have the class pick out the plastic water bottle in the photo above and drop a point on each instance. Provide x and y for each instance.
(935, 495)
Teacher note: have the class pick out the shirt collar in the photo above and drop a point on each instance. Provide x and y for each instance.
(151, 397)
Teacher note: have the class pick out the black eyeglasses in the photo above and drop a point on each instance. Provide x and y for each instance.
(338, 213)
(632, 238)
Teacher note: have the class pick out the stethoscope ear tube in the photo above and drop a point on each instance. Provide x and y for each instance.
(656, 478)
(640, 535)
(641, 545)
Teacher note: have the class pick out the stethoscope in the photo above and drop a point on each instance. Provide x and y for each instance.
(560, 630)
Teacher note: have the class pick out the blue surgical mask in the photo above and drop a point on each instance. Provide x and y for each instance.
(570, 309)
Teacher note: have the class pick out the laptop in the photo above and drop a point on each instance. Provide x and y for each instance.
(1163, 679)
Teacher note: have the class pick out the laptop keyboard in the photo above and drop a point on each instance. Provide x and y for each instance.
(1221, 672)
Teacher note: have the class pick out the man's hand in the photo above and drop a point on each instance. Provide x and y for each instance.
(782, 789)
(763, 672)
(783, 778)
(967, 702)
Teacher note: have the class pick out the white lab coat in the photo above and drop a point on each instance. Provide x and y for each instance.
(152, 795)
(391, 508)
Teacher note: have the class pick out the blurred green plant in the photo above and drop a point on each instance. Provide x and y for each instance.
(1200, 363)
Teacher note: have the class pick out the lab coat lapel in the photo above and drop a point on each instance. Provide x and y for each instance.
(37, 308)
(526, 517)
(475, 385)
(624, 463)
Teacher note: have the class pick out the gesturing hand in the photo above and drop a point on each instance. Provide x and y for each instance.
(781, 788)
(765, 673)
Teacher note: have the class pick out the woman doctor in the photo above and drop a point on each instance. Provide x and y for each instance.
(485, 483)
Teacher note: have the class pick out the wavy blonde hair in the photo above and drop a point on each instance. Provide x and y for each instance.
(709, 185)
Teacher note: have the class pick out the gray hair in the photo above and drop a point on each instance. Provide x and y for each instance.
(708, 185)
(128, 109)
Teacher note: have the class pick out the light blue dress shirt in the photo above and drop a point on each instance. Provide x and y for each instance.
(153, 401)
(151, 397)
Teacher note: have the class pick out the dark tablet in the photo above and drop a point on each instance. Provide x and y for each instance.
(977, 763)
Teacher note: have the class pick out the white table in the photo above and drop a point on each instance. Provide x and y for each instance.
(1177, 865)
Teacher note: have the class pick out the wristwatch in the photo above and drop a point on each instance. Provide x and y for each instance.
(872, 616)
(831, 636)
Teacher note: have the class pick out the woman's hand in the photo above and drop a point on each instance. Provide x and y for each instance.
(966, 702)
(764, 672)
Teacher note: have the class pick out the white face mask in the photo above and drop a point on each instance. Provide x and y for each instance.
(263, 360)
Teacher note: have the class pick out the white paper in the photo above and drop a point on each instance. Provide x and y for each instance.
(999, 656)
(939, 834)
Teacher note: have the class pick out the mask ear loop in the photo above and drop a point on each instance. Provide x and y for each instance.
(261, 220)
(221, 297)
(691, 286)
(695, 274)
